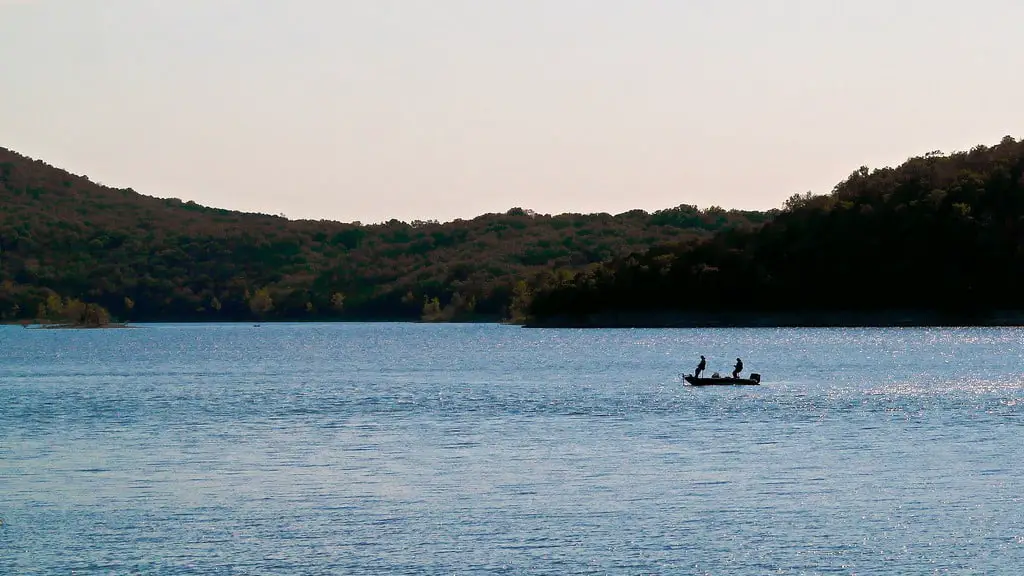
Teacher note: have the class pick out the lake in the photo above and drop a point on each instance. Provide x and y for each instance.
(487, 449)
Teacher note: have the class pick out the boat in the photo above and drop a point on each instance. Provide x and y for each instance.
(754, 380)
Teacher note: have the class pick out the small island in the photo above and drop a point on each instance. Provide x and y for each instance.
(71, 313)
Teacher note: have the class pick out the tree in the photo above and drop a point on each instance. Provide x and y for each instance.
(78, 313)
(337, 301)
(459, 307)
(431, 309)
(522, 298)
(54, 307)
(95, 316)
(260, 303)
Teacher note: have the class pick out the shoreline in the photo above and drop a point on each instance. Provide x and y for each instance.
(832, 319)
(649, 320)
(112, 326)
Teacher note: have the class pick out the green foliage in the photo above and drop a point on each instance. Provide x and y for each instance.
(70, 311)
(431, 309)
(338, 301)
(260, 303)
(79, 313)
(939, 233)
(162, 259)
(522, 298)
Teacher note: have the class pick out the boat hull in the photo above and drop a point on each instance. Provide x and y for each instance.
(722, 381)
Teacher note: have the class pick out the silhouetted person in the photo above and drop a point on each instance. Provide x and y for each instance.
(700, 367)
(737, 369)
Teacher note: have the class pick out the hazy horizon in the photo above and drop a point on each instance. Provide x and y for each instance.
(365, 111)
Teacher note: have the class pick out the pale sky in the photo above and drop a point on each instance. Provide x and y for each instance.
(418, 109)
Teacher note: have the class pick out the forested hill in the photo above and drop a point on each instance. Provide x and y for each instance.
(64, 238)
(940, 236)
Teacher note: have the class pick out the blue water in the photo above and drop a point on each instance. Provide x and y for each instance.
(422, 449)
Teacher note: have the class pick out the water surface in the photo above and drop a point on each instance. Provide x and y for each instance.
(482, 449)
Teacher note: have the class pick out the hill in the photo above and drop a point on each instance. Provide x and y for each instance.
(65, 240)
(938, 239)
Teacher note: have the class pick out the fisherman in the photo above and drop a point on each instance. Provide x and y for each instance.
(700, 367)
(737, 369)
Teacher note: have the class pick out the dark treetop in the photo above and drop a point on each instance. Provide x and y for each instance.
(938, 239)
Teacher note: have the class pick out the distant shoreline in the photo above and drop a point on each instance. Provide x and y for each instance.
(49, 326)
(833, 319)
(650, 320)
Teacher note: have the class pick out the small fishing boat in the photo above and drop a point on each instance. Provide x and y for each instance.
(754, 380)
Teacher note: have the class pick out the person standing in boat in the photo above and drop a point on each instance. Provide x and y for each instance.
(737, 369)
(700, 367)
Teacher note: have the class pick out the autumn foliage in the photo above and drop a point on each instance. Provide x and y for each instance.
(151, 259)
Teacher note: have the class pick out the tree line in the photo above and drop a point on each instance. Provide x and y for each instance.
(940, 233)
(64, 237)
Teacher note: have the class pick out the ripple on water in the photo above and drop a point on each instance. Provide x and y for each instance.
(409, 449)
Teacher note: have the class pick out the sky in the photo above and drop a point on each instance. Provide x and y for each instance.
(439, 109)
